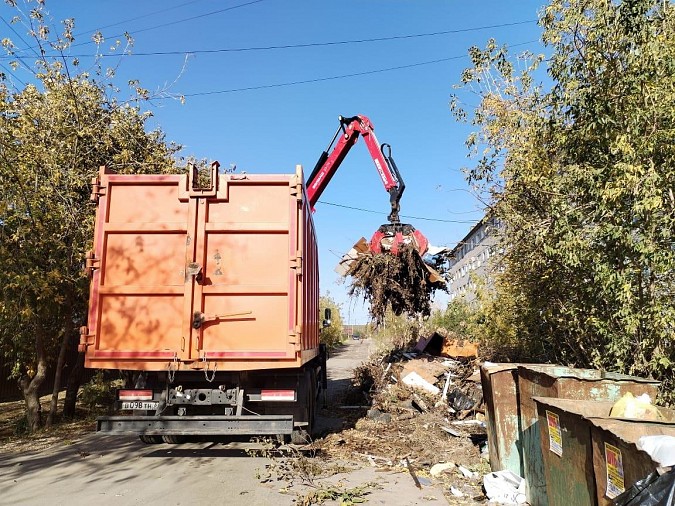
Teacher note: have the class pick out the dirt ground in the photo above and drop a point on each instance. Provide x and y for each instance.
(14, 440)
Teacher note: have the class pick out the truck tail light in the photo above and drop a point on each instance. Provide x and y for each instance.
(134, 395)
(278, 395)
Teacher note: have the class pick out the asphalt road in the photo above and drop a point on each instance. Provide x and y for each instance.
(117, 470)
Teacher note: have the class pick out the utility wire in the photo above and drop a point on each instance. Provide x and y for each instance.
(16, 56)
(300, 46)
(147, 29)
(322, 44)
(329, 78)
(161, 11)
(171, 23)
(402, 216)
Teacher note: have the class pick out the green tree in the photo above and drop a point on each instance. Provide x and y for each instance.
(581, 174)
(332, 335)
(55, 132)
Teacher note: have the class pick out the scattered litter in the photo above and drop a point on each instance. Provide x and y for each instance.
(504, 487)
(456, 492)
(450, 431)
(459, 401)
(468, 422)
(459, 348)
(412, 473)
(438, 469)
(413, 379)
(467, 474)
(630, 406)
(411, 415)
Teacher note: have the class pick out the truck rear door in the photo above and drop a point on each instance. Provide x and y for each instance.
(182, 274)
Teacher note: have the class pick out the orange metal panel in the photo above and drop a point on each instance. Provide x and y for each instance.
(243, 259)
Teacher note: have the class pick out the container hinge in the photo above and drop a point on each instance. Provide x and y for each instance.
(86, 339)
(296, 263)
(97, 190)
(92, 263)
(296, 190)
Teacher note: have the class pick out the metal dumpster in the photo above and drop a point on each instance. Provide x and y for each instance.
(617, 462)
(567, 449)
(568, 383)
(500, 391)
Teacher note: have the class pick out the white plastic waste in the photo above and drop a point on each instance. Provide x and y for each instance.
(660, 448)
(505, 487)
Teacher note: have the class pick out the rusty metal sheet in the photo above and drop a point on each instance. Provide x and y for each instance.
(565, 439)
(610, 436)
(541, 380)
(500, 391)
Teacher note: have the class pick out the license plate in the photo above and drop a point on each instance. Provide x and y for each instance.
(146, 405)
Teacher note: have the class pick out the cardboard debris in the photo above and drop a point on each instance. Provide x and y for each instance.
(447, 344)
(348, 258)
(429, 370)
(414, 380)
(458, 348)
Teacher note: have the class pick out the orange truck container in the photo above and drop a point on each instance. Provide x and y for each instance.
(211, 295)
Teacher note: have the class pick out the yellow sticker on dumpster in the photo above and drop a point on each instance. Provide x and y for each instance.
(554, 433)
(614, 465)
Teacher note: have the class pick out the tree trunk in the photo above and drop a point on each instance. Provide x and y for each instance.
(30, 387)
(67, 335)
(73, 386)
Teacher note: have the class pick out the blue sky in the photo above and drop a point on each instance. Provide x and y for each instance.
(267, 110)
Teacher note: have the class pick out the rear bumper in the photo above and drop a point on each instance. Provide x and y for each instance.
(196, 425)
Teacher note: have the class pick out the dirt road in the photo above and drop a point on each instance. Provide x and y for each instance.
(121, 470)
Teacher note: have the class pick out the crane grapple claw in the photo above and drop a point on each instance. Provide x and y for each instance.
(391, 236)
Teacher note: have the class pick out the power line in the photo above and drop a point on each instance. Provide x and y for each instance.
(321, 44)
(161, 11)
(329, 78)
(16, 56)
(171, 23)
(402, 216)
(299, 46)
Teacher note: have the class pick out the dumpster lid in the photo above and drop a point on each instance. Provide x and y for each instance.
(630, 431)
(559, 371)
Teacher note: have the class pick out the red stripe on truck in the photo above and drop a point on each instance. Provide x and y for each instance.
(277, 395)
(134, 395)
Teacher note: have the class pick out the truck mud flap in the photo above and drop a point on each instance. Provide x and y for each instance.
(196, 425)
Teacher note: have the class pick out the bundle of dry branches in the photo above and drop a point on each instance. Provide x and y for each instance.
(401, 282)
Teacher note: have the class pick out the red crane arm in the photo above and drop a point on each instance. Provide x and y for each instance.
(328, 164)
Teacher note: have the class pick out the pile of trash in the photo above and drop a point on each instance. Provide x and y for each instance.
(420, 410)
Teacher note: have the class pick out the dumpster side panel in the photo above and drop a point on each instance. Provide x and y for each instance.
(500, 391)
(622, 435)
(568, 470)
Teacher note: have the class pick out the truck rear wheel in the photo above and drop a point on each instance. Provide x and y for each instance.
(174, 440)
(150, 440)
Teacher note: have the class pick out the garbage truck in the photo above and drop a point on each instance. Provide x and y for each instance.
(207, 289)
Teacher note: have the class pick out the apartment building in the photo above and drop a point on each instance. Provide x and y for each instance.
(470, 259)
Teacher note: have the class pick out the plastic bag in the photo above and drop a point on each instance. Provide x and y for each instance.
(459, 401)
(630, 406)
(654, 490)
(504, 487)
(660, 448)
